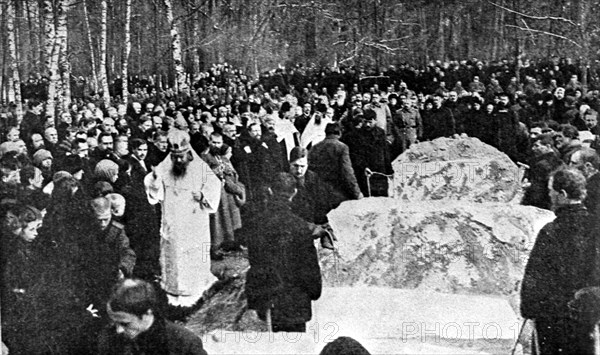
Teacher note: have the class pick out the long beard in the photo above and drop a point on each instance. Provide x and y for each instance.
(179, 169)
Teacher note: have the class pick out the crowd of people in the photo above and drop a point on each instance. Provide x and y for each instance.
(157, 188)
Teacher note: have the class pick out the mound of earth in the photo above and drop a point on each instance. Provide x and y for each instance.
(468, 248)
(455, 169)
(433, 277)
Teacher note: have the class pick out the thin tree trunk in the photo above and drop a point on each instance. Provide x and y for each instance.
(375, 51)
(195, 35)
(584, 35)
(52, 50)
(32, 28)
(111, 50)
(517, 45)
(157, 57)
(454, 36)
(3, 50)
(180, 82)
(126, 50)
(86, 19)
(469, 33)
(10, 92)
(495, 32)
(12, 49)
(65, 69)
(17, 30)
(441, 35)
(423, 35)
(102, 65)
(501, 35)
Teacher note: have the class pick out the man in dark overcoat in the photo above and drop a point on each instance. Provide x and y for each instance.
(330, 159)
(560, 263)
(284, 275)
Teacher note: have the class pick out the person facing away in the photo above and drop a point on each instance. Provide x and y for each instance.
(284, 275)
(330, 159)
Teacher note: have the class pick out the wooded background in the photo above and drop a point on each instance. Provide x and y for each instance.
(101, 40)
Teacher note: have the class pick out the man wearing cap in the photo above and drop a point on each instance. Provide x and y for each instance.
(407, 126)
(188, 191)
(368, 150)
(382, 112)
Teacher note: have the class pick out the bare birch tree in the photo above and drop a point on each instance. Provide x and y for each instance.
(102, 64)
(12, 52)
(180, 82)
(126, 50)
(52, 49)
(65, 68)
(86, 20)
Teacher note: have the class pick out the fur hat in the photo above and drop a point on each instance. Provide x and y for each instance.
(40, 156)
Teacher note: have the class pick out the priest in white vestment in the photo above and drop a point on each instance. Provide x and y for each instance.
(315, 130)
(189, 191)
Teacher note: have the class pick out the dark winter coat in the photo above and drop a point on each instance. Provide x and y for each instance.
(438, 123)
(284, 269)
(255, 167)
(314, 198)
(538, 175)
(368, 149)
(559, 264)
(330, 159)
(163, 337)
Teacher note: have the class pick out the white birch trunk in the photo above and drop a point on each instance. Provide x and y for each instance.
(180, 82)
(102, 65)
(65, 69)
(12, 53)
(195, 42)
(126, 50)
(52, 48)
(86, 19)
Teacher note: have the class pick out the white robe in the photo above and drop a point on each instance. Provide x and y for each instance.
(285, 130)
(314, 133)
(185, 231)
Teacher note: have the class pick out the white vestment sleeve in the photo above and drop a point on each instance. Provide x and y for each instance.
(211, 190)
(155, 189)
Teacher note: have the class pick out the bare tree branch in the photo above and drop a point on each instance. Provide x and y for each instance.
(381, 47)
(546, 33)
(529, 30)
(552, 18)
(393, 39)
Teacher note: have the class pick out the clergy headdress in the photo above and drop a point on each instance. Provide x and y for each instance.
(179, 141)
